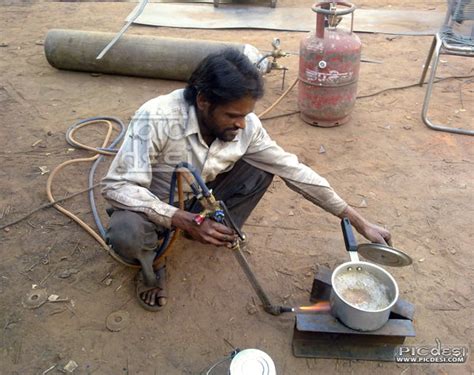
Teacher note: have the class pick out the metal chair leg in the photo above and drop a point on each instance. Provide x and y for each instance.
(428, 60)
(424, 114)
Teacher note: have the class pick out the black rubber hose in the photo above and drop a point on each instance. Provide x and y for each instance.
(205, 190)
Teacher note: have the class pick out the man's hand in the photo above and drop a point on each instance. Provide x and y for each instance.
(377, 234)
(209, 232)
(372, 232)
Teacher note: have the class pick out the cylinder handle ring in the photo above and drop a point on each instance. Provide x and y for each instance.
(317, 8)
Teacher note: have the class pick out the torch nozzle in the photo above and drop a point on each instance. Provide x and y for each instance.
(286, 309)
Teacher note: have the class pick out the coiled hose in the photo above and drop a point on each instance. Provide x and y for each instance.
(100, 152)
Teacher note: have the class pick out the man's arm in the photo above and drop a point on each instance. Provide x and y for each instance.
(128, 180)
(127, 183)
(265, 154)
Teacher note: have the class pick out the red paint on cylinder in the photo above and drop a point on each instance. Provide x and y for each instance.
(328, 75)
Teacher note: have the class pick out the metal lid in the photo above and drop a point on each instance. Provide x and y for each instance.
(384, 255)
(252, 362)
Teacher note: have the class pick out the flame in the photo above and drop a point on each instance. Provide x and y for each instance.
(322, 306)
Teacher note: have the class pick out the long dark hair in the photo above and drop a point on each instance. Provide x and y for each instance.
(224, 77)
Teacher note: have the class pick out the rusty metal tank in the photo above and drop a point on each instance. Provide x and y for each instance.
(329, 67)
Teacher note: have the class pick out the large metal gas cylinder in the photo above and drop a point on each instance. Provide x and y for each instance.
(136, 55)
(329, 67)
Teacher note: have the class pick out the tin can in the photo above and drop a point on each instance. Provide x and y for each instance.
(252, 362)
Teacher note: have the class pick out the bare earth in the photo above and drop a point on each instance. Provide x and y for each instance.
(417, 182)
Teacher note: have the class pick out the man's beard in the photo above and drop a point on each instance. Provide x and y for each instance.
(226, 135)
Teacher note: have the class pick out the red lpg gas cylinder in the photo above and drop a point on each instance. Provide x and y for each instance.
(329, 67)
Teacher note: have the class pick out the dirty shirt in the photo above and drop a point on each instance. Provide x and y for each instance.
(165, 132)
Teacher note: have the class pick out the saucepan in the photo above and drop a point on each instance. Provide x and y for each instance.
(363, 293)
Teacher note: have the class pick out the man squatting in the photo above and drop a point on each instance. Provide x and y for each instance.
(211, 125)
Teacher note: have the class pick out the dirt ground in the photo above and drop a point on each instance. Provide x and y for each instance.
(416, 182)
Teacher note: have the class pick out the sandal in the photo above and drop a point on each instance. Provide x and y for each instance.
(141, 287)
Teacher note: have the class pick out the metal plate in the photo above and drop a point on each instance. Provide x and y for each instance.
(204, 16)
(35, 298)
(384, 255)
(326, 323)
(117, 320)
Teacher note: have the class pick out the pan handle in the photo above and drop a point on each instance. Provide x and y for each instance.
(349, 239)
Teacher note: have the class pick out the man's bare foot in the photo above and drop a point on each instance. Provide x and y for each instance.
(151, 298)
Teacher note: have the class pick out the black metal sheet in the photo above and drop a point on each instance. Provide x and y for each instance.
(403, 310)
(326, 323)
(321, 288)
(327, 345)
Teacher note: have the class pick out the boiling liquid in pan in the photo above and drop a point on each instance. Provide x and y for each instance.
(363, 290)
